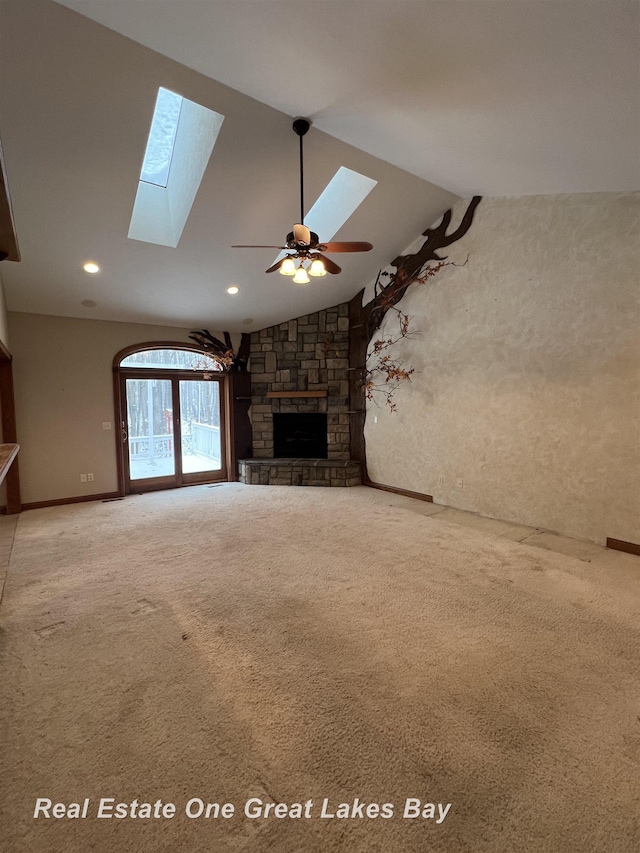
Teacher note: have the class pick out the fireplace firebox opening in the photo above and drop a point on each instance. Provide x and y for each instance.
(300, 435)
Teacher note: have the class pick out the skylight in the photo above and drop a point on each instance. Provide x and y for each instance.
(339, 200)
(179, 146)
(342, 196)
(162, 137)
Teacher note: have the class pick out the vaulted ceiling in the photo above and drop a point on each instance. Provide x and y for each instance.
(496, 97)
(434, 99)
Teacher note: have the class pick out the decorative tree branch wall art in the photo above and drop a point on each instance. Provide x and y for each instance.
(373, 370)
(222, 352)
(384, 373)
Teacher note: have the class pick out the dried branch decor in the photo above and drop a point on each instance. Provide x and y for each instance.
(222, 352)
(373, 370)
(383, 373)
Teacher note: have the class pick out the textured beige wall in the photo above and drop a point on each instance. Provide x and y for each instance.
(64, 391)
(528, 360)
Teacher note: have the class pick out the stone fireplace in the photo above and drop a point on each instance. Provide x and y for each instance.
(300, 368)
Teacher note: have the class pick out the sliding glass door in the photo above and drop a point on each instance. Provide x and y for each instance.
(173, 424)
(201, 444)
(150, 433)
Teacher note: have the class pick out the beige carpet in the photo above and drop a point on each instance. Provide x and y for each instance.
(292, 644)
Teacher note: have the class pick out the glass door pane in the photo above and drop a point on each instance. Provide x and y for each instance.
(200, 425)
(150, 422)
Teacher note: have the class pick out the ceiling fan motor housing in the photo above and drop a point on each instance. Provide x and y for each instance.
(302, 236)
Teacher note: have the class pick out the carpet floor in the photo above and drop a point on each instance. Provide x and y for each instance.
(294, 644)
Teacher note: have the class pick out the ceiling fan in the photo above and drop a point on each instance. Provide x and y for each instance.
(304, 245)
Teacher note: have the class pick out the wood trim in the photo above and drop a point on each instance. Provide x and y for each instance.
(227, 424)
(130, 350)
(8, 240)
(159, 373)
(240, 425)
(195, 478)
(396, 491)
(106, 496)
(9, 451)
(169, 487)
(177, 431)
(9, 434)
(155, 484)
(297, 393)
(621, 545)
(119, 426)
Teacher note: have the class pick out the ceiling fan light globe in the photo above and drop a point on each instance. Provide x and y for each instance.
(317, 268)
(301, 276)
(288, 267)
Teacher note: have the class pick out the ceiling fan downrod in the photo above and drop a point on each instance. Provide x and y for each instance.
(301, 126)
(302, 244)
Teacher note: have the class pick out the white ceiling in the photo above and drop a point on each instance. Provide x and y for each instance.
(446, 98)
(497, 97)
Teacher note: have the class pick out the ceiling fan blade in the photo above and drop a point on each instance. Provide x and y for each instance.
(329, 265)
(277, 265)
(346, 247)
(258, 247)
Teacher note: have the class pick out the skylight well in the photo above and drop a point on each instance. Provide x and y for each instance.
(338, 201)
(179, 146)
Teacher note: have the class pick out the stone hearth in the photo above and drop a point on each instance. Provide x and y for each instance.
(299, 472)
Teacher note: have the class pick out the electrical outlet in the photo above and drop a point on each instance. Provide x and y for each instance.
(375, 419)
(441, 480)
(106, 424)
(83, 478)
(90, 478)
(460, 483)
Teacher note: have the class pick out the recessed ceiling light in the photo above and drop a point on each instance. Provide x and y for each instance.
(88, 303)
(91, 267)
(233, 289)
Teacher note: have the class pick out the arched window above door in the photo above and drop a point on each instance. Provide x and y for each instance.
(170, 358)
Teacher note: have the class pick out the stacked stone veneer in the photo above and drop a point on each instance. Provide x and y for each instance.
(299, 472)
(307, 354)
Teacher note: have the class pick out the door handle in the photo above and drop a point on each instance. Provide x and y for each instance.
(125, 435)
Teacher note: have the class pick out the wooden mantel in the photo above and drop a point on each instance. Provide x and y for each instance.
(8, 453)
(297, 393)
